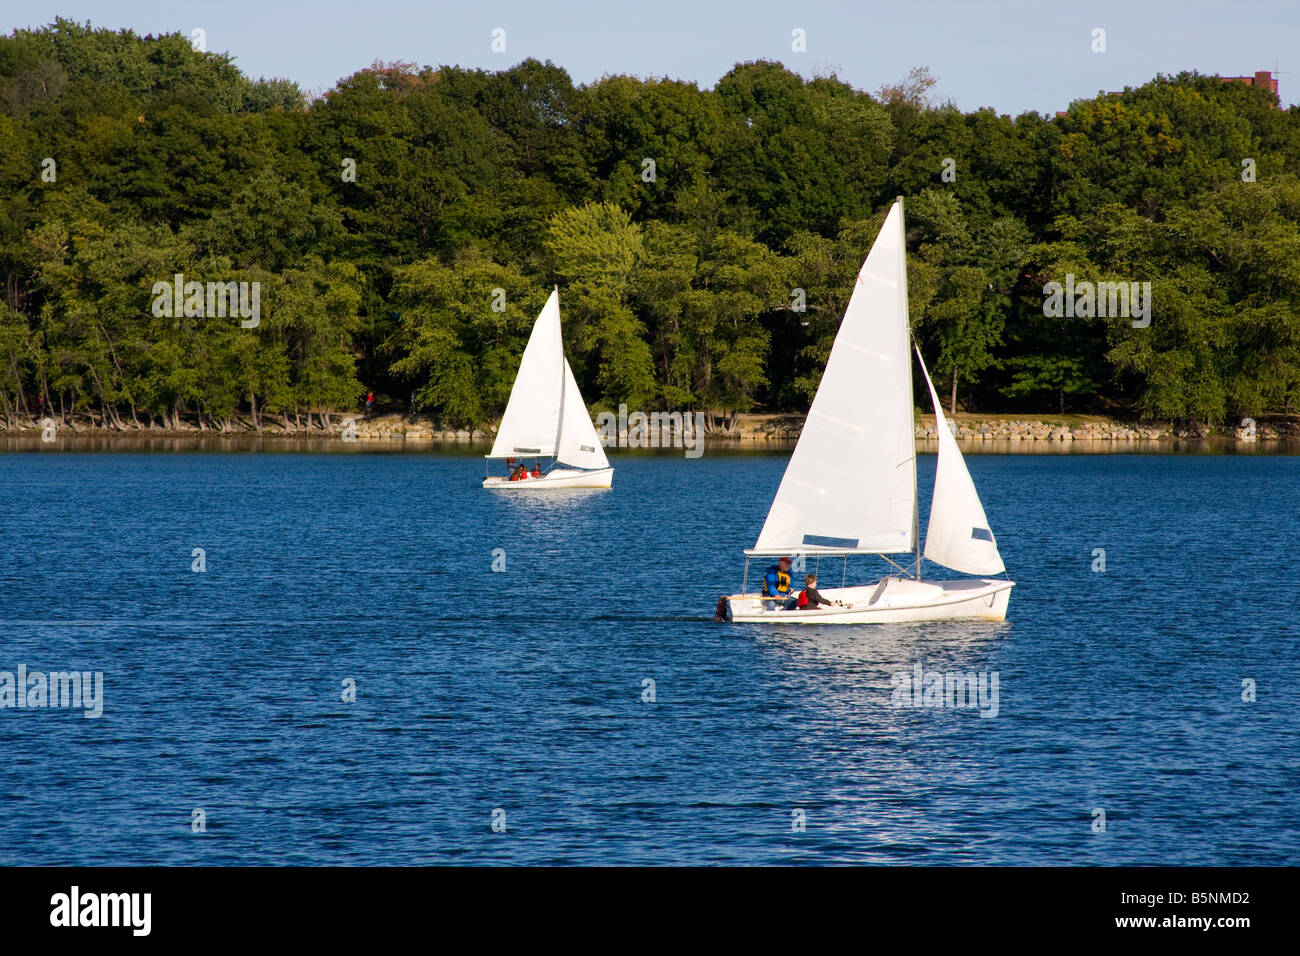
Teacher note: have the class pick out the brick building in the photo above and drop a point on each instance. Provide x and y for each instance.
(1262, 78)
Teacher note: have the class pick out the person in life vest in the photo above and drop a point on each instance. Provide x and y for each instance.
(776, 584)
(810, 598)
(518, 474)
(536, 472)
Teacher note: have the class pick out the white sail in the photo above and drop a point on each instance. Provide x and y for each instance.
(531, 424)
(958, 535)
(850, 485)
(579, 445)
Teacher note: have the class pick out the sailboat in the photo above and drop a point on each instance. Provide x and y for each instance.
(850, 487)
(547, 418)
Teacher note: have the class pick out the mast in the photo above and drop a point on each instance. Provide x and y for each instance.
(916, 499)
(559, 426)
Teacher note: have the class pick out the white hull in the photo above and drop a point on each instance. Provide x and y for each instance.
(556, 478)
(890, 601)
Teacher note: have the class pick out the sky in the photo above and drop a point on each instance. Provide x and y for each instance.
(1011, 55)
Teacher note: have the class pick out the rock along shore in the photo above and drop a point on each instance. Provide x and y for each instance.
(1005, 429)
(743, 428)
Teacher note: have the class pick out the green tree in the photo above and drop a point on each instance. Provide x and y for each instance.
(594, 250)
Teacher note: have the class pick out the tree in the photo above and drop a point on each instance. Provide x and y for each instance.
(594, 249)
(455, 349)
(379, 217)
(959, 304)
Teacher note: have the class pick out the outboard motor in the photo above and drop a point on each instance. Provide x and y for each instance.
(720, 613)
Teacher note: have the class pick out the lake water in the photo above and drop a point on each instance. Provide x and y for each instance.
(521, 690)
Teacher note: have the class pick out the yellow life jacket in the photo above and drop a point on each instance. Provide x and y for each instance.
(782, 582)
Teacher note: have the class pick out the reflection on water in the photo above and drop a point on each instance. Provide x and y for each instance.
(881, 779)
(542, 504)
(879, 647)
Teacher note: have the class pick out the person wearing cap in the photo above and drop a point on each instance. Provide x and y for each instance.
(776, 584)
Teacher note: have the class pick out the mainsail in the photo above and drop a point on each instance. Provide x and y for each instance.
(850, 485)
(958, 536)
(531, 424)
(545, 416)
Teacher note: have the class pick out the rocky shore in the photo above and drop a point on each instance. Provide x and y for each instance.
(1019, 430)
(743, 428)
(975, 428)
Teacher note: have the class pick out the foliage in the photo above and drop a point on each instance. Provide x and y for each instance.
(704, 241)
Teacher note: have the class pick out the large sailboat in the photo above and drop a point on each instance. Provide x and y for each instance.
(546, 418)
(850, 487)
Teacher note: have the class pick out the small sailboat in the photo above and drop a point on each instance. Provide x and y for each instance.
(850, 487)
(547, 418)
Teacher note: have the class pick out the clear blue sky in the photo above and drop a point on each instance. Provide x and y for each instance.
(1013, 55)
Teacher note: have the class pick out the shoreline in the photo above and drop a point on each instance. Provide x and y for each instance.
(234, 442)
(754, 430)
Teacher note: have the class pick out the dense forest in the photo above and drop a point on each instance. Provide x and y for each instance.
(406, 226)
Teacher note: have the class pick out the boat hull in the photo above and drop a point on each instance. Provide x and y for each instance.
(556, 478)
(890, 601)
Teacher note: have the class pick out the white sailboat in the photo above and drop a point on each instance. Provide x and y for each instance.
(547, 418)
(850, 487)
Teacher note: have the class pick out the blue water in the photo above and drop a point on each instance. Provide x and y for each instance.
(522, 689)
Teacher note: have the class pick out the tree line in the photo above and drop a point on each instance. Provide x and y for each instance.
(405, 227)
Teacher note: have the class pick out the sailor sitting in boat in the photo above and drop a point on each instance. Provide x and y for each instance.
(776, 584)
(810, 598)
